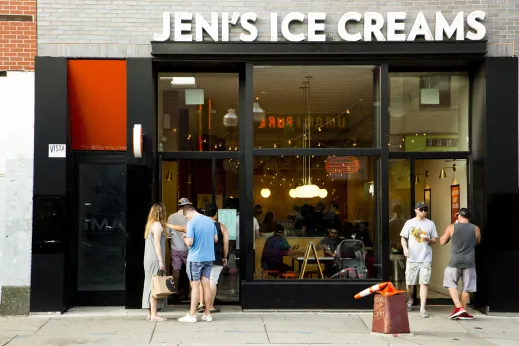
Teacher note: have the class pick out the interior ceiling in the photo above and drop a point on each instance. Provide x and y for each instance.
(333, 89)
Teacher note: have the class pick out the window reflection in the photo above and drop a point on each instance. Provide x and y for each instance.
(428, 111)
(341, 220)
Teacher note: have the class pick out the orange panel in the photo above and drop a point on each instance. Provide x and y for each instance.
(97, 104)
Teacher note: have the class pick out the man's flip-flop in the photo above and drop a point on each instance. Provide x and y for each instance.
(158, 319)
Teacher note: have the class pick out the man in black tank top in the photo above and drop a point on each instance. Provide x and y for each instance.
(464, 237)
(221, 250)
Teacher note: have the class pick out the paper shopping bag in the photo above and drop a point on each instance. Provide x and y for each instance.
(162, 286)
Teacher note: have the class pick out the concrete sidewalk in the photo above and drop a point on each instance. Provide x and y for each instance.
(116, 326)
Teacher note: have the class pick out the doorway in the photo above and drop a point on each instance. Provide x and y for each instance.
(204, 181)
(100, 246)
(443, 185)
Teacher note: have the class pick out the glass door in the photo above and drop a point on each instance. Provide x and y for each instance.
(101, 245)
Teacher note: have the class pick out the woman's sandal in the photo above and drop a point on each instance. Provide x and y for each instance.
(158, 319)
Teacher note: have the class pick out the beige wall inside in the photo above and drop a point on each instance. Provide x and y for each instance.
(441, 208)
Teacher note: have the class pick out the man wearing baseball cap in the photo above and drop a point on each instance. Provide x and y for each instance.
(418, 234)
(179, 250)
(464, 236)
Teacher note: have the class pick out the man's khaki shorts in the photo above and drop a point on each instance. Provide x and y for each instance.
(468, 277)
(417, 273)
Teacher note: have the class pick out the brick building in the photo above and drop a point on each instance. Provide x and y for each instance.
(374, 105)
(17, 52)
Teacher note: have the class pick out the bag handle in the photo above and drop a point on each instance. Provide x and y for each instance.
(161, 272)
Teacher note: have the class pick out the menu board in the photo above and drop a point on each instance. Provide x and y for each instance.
(455, 202)
(228, 218)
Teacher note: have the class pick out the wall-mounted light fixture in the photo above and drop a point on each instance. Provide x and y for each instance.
(169, 176)
(443, 174)
(137, 141)
(417, 177)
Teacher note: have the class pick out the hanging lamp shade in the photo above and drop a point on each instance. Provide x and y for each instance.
(258, 114)
(265, 193)
(169, 176)
(416, 179)
(292, 193)
(342, 164)
(307, 191)
(323, 193)
(443, 174)
(230, 119)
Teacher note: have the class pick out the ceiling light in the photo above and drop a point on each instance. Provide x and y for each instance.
(230, 119)
(265, 193)
(183, 81)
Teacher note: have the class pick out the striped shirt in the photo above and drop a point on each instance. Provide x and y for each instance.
(275, 248)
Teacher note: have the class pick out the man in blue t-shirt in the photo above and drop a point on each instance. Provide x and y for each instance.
(200, 238)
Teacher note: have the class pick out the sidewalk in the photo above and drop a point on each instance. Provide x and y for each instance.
(116, 326)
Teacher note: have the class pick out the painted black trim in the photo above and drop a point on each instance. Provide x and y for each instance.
(246, 128)
(446, 155)
(384, 170)
(328, 50)
(51, 179)
(141, 173)
(317, 151)
(199, 155)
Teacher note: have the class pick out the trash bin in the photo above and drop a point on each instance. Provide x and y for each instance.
(397, 268)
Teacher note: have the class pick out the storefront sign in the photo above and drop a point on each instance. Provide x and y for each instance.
(137, 141)
(455, 202)
(280, 122)
(57, 150)
(190, 27)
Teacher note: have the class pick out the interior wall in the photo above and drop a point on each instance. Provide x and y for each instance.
(170, 194)
(441, 207)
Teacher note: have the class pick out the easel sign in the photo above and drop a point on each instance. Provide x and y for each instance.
(311, 247)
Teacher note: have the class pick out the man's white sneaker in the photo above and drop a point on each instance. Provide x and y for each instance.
(424, 314)
(188, 319)
(207, 318)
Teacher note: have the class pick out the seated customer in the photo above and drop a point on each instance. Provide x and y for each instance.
(268, 225)
(275, 248)
(329, 244)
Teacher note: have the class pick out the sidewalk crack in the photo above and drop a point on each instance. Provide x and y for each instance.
(265, 328)
(43, 325)
(14, 337)
(152, 333)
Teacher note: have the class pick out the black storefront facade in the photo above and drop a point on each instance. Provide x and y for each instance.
(492, 154)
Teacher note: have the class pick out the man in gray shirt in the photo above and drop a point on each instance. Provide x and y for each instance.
(179, 250)
(464, 237)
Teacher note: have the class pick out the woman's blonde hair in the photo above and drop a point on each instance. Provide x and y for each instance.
(157, 213)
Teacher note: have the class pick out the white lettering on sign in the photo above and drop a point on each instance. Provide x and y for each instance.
(58, 150)
(375, 26)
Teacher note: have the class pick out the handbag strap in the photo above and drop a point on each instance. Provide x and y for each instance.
(161, 272)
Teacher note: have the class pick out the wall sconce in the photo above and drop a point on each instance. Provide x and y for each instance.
(169, 176)
(443, 174)
(417, 178)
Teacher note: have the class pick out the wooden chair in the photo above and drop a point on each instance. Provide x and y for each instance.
(289, 275)
(275, 273)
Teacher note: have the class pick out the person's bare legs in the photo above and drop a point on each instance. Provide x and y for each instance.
(153, 307)
(207, 294)
(176, 278)
(213, 293)
(195, 291)
(455, 297)
(149, 313)
(410, 294)
(424, 289)
(465, 297)
(201, 297)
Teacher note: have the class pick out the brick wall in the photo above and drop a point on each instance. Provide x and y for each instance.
(123, 28)
(17, 35)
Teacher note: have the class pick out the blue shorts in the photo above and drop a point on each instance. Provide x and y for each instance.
(195, 270)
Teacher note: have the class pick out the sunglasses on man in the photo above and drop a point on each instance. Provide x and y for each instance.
(422, 209)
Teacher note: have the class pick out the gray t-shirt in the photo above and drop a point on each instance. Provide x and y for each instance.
(177, 219)
(414, 230)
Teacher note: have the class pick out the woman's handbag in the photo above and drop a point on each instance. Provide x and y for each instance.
(162, 286)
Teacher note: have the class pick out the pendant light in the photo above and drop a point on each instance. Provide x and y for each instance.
(307, 190)
(265, 193)
(258, 114)
(230, 119)
(443, 174)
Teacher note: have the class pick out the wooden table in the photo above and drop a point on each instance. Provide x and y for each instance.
(300, 259)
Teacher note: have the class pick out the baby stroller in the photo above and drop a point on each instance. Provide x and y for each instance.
(350, 260)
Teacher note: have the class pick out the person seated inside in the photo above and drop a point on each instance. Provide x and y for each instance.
(329, 245)
(276, 247)
(268, 225)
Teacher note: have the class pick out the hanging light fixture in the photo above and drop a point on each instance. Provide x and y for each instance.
(230, 119)
(169, 176)
(417, 177)
(307, 190)
(265, 193)
(258, 114)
